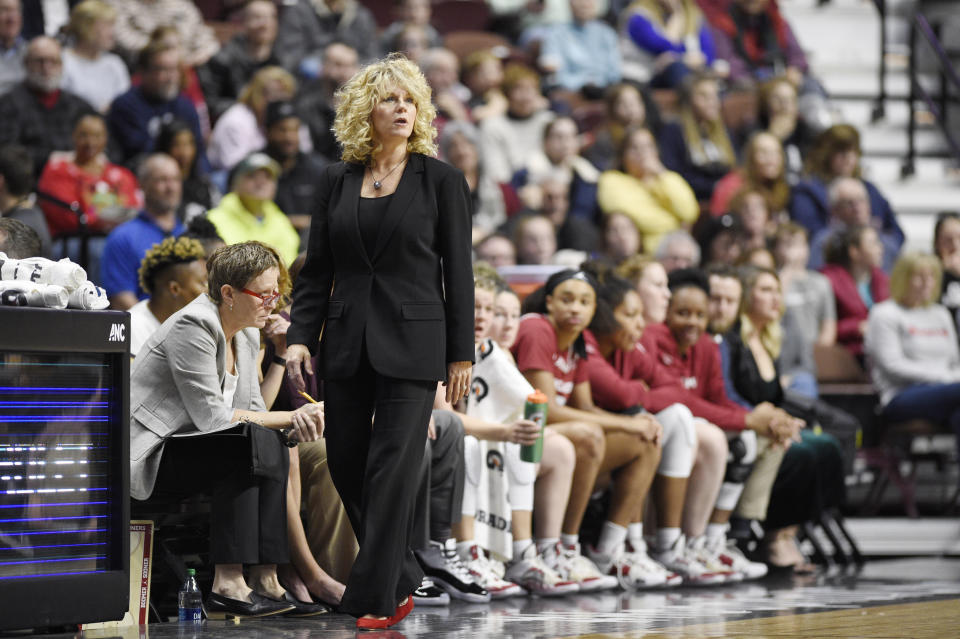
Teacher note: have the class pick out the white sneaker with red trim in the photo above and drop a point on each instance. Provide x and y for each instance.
(681, 559)
(634, 569)
(483, 573)
(726, 551)
(529, 571)
(573, 566)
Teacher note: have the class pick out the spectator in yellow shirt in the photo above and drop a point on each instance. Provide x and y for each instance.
(248, 212)
(657, 200)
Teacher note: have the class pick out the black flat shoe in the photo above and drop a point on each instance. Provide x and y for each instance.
(331, 607)
(303, 608)
(220, 607)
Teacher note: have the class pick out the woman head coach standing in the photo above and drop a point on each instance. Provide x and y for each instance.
(386, 295)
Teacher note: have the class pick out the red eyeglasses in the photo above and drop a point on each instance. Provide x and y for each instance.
(264, 299)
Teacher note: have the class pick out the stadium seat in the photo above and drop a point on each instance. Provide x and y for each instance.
(465, 42)
(459, 15)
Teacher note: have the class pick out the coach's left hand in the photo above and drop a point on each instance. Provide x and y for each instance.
(458, 380)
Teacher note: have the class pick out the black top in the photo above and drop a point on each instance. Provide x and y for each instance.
(408, 306)
(225, 74)
(297, 187)
(370, 213)
(314, 103)
(28, 123)
(745, 373)
(675, 155)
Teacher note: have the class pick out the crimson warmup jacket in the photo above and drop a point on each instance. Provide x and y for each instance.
(700, 373)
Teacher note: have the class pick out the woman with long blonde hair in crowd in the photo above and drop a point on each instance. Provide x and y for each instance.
(698, 145)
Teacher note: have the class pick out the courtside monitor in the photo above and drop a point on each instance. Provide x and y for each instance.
(64, 466)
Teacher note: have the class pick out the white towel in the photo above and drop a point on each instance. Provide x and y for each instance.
(498, 392)
(88, 297)
(40, 270)
(42, 295)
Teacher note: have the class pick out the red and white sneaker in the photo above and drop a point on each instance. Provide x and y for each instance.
(699, 548)
(673, 579)
(681, 559)
(633, 569)
(729, 555)
(536, 577)
(486, 575)
(573, 566)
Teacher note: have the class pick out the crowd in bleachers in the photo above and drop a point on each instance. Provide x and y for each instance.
(695, 206)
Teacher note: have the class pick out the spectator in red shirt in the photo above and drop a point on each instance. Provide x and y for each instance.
(764, 169)
(551, 353)
(853, 259)
(105, 192)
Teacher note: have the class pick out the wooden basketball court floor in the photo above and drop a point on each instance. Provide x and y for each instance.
(912, 598)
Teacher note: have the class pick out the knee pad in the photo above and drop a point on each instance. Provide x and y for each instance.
(679, 441)
(521, 476)
(743, 453)
(729, 495)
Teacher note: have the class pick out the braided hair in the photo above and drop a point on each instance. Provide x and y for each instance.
(169, 253)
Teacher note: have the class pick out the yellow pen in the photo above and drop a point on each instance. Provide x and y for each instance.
(307, 397)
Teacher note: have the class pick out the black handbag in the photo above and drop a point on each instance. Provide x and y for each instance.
(268, 451)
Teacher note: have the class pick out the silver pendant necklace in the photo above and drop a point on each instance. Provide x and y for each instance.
(378, 184)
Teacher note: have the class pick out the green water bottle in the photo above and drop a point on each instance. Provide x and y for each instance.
(536, 411)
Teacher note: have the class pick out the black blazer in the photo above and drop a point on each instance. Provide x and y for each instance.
(412, 300)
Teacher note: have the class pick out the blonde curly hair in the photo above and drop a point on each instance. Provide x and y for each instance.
(353, 126)
(170, 252)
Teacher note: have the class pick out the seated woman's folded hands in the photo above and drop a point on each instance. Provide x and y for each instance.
(307, 423)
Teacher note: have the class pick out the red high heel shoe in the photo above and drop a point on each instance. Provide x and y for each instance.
(379, 624)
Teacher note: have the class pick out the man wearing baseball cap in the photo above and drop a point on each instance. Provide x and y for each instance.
(248, 211)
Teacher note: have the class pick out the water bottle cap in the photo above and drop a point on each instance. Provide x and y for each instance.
(191, 572)
(537, 397)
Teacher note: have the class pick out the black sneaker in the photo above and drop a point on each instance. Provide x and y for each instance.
(429, 595)
(442, 565)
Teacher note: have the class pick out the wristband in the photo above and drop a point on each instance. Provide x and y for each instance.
(279, 360)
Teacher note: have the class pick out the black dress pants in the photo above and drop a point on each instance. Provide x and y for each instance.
(376, 471)
(248, 521)
(835, 421)
(810, 480)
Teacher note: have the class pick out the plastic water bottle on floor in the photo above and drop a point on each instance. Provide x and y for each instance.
(190, 599)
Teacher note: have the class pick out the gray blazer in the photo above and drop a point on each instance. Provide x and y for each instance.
(176, 385)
